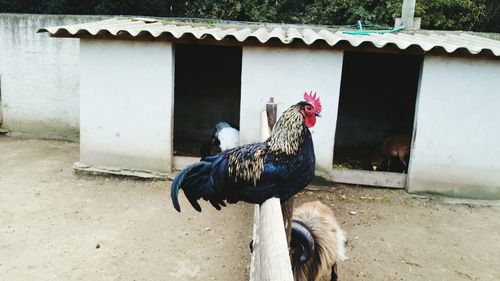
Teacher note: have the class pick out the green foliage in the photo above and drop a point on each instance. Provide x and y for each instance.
(492, 23)
(246, 10)
(452, 14)
(71, 6)
(477, 15)
(22, 6)
(340, 12)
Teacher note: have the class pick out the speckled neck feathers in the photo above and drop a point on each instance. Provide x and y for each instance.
(288, 133)
(247, 162)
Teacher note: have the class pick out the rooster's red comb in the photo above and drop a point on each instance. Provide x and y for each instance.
(314, 100)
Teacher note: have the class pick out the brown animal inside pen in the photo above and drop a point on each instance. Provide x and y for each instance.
(377, 100)
(395, 148)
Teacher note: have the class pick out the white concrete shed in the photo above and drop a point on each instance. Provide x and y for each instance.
(152, 89)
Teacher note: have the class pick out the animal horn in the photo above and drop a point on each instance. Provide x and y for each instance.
(301, 236)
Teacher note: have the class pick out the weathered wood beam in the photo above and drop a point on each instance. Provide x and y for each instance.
(270, 257)
(368, 178)
(408, 13)
(287, 212)
(270, 260)
(272, 113)
(286, 207)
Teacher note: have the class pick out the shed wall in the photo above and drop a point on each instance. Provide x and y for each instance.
(456, 146)
(126, 104)
(286, 74)
(39, 76)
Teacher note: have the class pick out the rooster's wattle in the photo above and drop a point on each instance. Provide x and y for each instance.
(279, 167)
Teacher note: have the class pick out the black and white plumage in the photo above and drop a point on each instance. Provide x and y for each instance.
(226, 137)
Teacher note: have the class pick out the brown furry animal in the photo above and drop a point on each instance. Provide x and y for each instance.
(317, 243)
(394, 146)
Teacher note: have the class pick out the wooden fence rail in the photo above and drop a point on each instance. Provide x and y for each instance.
(270, 257)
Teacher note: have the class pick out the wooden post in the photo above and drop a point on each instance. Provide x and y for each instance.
(1, 113)
(274, 260)
(272, 112)
(408, 13)
(286, 207)
(287, 211)
(271, 256)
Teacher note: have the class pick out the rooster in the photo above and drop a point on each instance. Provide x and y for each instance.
(317, 244)
(279, 167)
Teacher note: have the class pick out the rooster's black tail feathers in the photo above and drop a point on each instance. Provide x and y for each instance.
(196, 182)
(176, 185)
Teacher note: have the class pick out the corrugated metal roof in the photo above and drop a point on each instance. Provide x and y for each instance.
(426, 40)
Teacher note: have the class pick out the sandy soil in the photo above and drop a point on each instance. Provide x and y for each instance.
(395, 236)
(57, 225)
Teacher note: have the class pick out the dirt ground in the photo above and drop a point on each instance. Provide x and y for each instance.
(58, 225)
(395, 236)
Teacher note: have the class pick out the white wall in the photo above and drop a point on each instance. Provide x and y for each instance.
(126, 104)
(456, 149)
(39, 76)
(286, 74)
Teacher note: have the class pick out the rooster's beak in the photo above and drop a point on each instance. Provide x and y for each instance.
(318, 115)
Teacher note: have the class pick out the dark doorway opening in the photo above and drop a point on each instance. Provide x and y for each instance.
(377, 101)
(207, 91)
